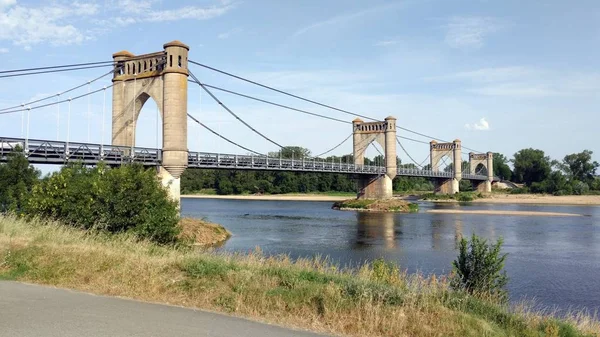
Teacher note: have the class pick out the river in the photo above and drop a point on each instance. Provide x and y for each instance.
(554, 260)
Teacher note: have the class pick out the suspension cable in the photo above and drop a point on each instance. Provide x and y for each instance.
(276, 104)
(309, 100)
(223, 137)
(409, 156)
(54, 67)
(55, 71)
(231, 112)
(57, 102)
(64, 92)
(335, 147)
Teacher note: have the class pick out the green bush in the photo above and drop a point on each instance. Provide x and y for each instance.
(478, 268)
(124, 199)
(17, 178)
(464, 197)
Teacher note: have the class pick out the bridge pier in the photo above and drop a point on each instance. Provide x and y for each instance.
(483, 186)
(171, 184)
(375, 187)
(446, 186)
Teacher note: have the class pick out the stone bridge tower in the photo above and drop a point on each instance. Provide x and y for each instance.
(384, 133)
(161, 76)
(486, 161)
(446, 185)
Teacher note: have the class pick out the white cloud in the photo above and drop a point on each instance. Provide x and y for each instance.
(144, 12)
(523, 82)
(66, 23)
(228, 34)
(27, 26)
(6, 3)
(386, 43)
(344, 18)
(3, 50)
(470, 32)
(482, 125)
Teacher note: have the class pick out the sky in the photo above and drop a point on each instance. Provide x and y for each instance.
(499, 75)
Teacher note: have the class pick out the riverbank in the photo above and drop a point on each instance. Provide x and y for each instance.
(377, 300)
(541, 199)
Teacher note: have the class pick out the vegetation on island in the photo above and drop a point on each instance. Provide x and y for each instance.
(374, 205)
(378, 299)
(460, 196)
(575, 174)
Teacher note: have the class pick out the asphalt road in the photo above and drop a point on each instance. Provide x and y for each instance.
(31, 310)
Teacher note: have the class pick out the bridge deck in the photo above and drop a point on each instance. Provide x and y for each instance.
(58, 153)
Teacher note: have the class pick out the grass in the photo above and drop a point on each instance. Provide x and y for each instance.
(202, 233)
(390, 205)
(375, 300)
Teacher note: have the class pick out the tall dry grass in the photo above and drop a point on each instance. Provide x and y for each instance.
(375, 300)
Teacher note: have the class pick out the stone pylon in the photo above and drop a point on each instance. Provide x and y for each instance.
(384, 133)
(161, 76)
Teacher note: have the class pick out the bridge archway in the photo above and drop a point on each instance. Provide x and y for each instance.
(148, 119)
(437, 153)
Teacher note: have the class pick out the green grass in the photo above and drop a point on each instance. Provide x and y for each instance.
(460, 197)
(376, 300)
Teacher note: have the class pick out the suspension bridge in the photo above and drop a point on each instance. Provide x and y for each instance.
(164, 77)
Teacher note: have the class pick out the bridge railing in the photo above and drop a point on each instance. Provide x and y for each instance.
(56, 152)
(217, 160)
(59, 152)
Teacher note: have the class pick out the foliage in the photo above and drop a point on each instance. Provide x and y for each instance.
(124, 199)
(17, 179)
(580, 167)
(478, 268)
(531, 166)
(501, 168)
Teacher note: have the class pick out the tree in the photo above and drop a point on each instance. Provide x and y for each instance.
(478, 268)
(17, 178)
(501, 168)
(292, 152)
(530, 166)
(579, 166)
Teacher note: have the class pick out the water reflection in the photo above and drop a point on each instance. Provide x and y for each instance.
(372, 228)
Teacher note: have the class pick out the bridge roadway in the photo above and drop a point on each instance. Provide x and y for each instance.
(60, 152)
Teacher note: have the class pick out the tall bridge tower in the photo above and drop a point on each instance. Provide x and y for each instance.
(384, 133)
(161, 76)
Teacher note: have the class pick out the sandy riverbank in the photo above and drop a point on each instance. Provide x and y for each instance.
(541, 199)
(283, 197)
(505, 213)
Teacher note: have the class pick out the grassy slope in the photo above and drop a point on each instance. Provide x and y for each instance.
(307, 293)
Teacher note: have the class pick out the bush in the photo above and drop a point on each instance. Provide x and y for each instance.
(17, 178)
(478, 268)
(124, 199)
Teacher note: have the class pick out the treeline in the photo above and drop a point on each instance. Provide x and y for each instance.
(575, 174)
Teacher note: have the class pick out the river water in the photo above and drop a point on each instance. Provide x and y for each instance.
(554, 260)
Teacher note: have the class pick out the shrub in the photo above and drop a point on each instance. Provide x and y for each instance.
(464, 197)
(478, 268)
(124, 199)
(17, 178)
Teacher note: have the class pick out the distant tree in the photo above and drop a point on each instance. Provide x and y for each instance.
(579, 166)
(501, 168)
(289, 152)
(531, 166)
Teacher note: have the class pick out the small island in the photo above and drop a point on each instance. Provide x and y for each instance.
(375, 205)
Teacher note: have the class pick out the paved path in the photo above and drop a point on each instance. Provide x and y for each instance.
(30, 310)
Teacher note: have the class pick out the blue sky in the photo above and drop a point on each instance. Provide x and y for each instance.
(499, 75)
